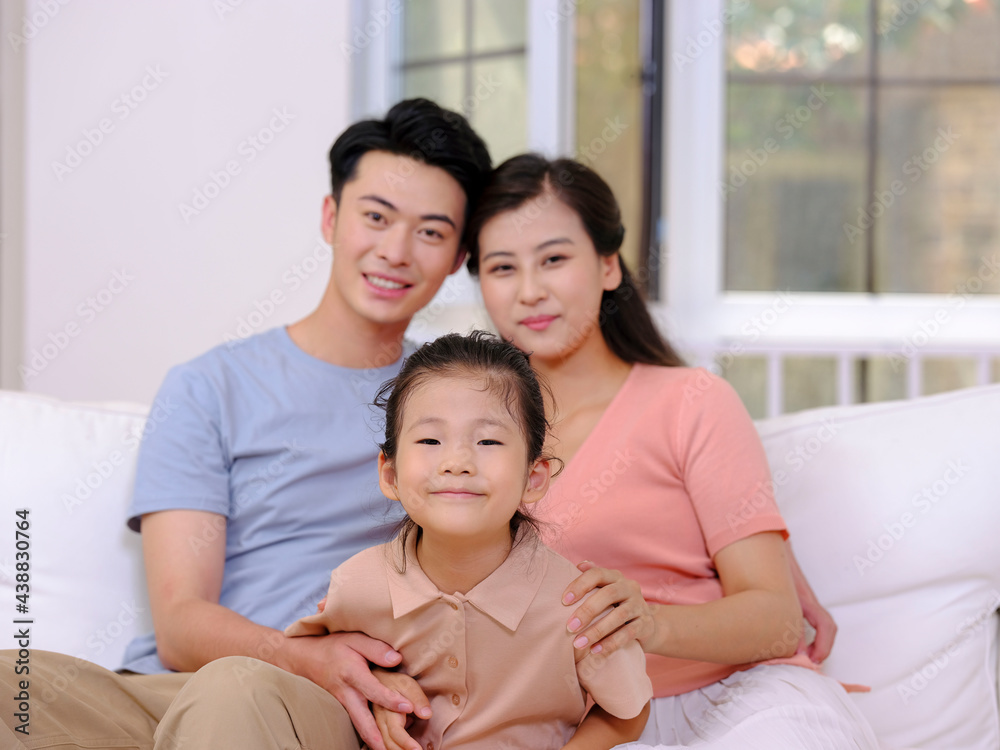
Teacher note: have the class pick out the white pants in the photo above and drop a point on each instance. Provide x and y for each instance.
(768, 707)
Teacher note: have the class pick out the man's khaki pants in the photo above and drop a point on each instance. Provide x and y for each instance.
(236, 702)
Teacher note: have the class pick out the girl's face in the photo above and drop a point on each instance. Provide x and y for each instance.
(461, 468)
(542, 279)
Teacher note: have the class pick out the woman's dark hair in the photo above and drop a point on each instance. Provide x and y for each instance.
(626, 324)
(423, 131)
(505, 371)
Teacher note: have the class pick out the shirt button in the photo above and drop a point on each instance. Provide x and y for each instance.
(455, 699)
(453, 606)
(452, 662)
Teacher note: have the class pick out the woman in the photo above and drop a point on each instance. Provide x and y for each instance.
(666, 480)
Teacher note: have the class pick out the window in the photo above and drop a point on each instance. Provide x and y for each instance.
(843, 245)
(618, 99)
(469, 56)
(862, 141)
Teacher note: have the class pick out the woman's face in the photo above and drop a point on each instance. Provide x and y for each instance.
(542, 279)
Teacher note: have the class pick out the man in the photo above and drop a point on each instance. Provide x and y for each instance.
(264, 478)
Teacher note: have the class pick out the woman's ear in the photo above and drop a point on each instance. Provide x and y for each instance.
(611, 271)
(387, 477)
(538, 482)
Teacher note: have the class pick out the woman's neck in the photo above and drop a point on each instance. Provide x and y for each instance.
(458, 566)
(590, 376)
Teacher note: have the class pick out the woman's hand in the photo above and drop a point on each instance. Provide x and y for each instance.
(392, 724)
(630, 617)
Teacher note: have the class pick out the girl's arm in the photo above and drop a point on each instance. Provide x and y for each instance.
(599, 730)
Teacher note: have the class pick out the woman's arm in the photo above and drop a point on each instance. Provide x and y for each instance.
(599, 730)
(757, 618)
(714, 447)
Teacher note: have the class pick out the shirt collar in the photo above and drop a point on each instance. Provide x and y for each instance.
(504, 595)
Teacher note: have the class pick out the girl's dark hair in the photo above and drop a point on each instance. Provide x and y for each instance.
(506, 372)
(626, 324)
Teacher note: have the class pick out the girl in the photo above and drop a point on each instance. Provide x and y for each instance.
(665, 479)
(466, 592)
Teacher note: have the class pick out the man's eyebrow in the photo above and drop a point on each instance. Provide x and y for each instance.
(426, 217)
(439, 217)
(379, 199)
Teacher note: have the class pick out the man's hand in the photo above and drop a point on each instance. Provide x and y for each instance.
(392, 724)
(814, 612)
(339, 663)
(822, 621)
(629, 619)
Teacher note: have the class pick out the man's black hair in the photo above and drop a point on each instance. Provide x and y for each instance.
(423, 131)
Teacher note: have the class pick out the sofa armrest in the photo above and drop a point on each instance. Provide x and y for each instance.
(894, 511)
(71, 466)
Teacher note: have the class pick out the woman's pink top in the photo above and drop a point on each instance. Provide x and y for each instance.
(673, 472)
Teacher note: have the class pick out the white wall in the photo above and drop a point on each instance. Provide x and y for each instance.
(222, 69)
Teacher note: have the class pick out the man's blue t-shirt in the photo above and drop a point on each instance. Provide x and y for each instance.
(284, 446)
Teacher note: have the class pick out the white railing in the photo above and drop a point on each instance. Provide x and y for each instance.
(846, 356)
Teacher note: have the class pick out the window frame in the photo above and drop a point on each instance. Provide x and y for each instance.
(551, 105)
(704, 317)
(12, 206)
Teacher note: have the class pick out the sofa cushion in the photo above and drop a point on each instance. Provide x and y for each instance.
(71, 466)
(894, 514)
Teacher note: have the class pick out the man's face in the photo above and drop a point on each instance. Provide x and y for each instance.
(395, 236)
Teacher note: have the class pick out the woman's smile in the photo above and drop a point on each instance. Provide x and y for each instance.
(538, 322)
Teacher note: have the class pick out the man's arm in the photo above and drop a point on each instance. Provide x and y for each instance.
(192, 628)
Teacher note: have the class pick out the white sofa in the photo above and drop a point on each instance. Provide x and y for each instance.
(894, 510)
